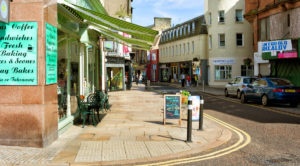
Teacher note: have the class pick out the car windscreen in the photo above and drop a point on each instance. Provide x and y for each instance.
(248, 80)
(281, 82)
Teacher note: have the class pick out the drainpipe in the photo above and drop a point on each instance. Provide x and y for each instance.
(102, 61)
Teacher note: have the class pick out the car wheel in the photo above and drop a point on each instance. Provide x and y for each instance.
(243, 98)
(238, 94)
(226, 93)
(264, 100)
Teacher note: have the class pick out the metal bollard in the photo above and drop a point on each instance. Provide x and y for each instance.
(201, 113)
(189, 121)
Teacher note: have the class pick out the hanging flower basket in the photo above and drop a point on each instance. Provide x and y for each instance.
(247, 61)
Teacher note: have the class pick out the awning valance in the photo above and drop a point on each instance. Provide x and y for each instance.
(141, 37)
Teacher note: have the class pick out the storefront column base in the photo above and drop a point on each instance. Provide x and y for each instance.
(65, 124)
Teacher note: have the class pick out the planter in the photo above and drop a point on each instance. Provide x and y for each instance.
(184, 99)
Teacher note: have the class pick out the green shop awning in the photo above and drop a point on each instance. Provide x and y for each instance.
(141, 37)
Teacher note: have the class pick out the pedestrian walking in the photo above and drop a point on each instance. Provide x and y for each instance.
(182, 77)
(188, 80)
(137, 79)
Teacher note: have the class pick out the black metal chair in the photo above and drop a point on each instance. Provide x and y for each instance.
(85, 112)
(94, 103)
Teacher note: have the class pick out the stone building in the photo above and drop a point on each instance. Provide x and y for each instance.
(230, 48)
(183, 49)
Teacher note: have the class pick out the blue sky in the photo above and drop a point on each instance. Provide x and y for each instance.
(180, 11)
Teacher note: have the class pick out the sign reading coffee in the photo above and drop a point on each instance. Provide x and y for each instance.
(18, 53)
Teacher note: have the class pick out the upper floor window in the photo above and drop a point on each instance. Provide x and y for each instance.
(221, 16)
(209, 42)
(193, 47)
(222, 40)
(239, 15)
(209, 19)
(193, 27)
(239, 39)
(264, 29)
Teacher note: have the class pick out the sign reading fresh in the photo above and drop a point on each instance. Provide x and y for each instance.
(18, 53)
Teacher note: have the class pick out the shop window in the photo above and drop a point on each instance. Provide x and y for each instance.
(115, 78)
(247, 70)
(223, 72)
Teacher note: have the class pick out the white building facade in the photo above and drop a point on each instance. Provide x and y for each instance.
(230, 41)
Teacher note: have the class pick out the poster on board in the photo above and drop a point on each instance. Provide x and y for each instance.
(195, 107)
(172, 107)
(51, 54)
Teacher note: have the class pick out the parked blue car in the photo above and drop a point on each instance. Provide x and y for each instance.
(271, 90)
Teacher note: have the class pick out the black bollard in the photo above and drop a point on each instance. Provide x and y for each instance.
(201, 113)
(189, 121)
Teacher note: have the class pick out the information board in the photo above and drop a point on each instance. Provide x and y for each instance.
(18, 53)
(51, 54)
(172, 107)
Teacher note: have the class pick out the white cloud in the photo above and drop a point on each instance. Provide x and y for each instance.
(179, 10)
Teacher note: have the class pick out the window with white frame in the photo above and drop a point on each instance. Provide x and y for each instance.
(222, 40)
(193, 27)
(221, 16)
(239, 39)
(180, 49)
(188, 48)
(223, 72)
(193, 47)
(264, 29)
(173, 51)
(239, 15)
(209, 42)
(209, 19)
(183, 48)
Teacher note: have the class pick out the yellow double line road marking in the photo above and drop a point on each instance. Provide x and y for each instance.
(244, 140)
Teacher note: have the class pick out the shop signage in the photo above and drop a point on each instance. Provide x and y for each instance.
(4, 11)
(274, 46)
(223, 61)
(18, 53)
(172, 107)
(51, 54)
(292, 54)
